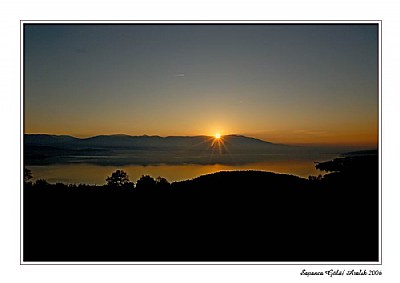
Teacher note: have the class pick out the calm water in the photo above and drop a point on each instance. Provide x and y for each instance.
(76, 173)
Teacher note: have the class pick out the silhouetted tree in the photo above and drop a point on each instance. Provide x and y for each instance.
(27, 175)
(118, 178)
(41, 183)
(146, 182)
(162, 183)
(315, 178)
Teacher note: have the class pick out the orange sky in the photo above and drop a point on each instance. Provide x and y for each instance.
(293, 84)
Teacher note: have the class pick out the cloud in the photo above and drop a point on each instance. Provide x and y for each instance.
(179, 75)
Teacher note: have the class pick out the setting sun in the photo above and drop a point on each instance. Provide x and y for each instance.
(217, 135)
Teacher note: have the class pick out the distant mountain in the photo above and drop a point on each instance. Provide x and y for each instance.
(121, 150)
(118, 150)
(48, 140)
(227, 142)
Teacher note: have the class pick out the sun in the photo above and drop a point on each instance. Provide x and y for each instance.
(217, 135)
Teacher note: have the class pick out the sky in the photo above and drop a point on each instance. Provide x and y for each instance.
(293, 84)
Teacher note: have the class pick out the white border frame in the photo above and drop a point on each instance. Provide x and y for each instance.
(22, 22)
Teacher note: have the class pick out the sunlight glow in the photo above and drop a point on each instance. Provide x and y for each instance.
(218, 145)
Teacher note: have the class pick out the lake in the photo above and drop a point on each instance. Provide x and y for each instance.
(89, 173)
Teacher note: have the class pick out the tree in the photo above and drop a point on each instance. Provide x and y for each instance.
(41, 183)
(118, 178)
(146, 182)
(27, 175)
(315, 178)
(162, 183)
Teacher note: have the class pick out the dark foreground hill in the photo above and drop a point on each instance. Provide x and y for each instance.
(226, 216)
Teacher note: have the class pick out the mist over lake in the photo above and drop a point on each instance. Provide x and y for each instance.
(72, 160)
(76, 173)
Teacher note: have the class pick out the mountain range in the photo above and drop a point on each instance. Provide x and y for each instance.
(119, 150)
(149, 142)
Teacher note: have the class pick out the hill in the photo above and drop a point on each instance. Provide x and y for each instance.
(226, 216)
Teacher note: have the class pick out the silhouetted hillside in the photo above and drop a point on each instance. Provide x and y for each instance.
(226, 216)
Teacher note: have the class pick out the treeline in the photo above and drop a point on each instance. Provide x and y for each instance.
(118, 180)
